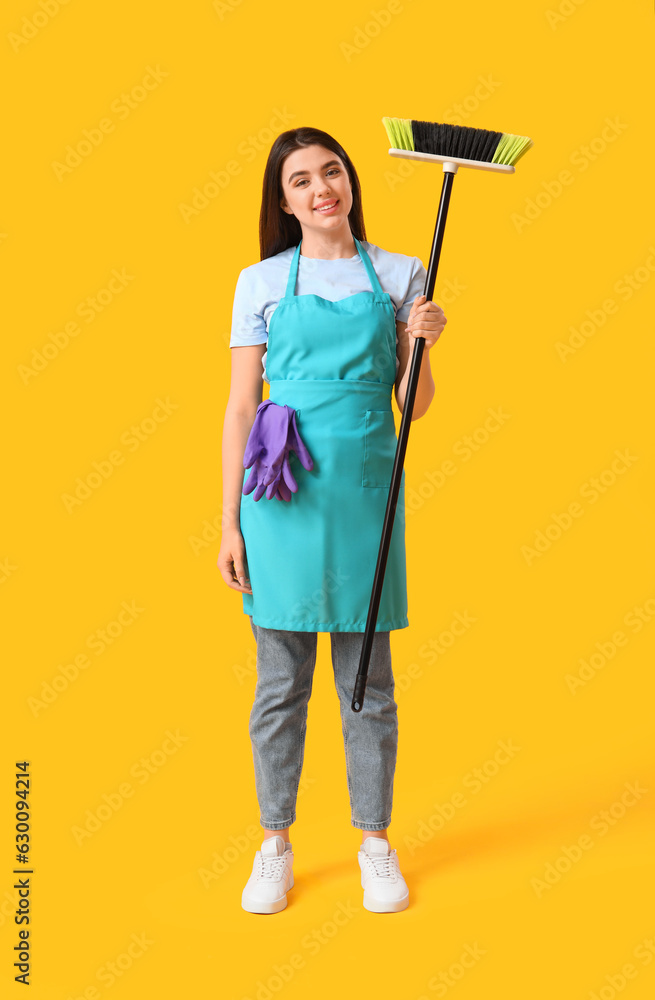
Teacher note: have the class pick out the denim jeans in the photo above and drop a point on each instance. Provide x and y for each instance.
(278, 722)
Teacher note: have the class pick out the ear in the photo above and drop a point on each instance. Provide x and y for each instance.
(285, 207)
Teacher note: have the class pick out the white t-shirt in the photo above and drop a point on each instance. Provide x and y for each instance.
(260, 287)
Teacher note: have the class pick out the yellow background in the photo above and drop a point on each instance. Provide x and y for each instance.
(183, 662)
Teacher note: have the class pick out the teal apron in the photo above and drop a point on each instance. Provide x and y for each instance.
(311, 560)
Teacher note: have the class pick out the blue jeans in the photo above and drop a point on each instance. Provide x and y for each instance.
(278, 722)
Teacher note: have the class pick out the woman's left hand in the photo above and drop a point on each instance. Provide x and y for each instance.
(427, 320)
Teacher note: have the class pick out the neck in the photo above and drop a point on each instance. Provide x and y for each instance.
(328, 246)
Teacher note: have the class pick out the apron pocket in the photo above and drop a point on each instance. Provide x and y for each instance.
(380, 443)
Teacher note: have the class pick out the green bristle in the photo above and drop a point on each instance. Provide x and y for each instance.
(399, 131)
(511, 148)
(456, 140)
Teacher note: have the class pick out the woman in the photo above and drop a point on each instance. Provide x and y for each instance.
(313, 315)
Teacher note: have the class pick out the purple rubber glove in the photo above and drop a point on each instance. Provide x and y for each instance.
(266, 446)
(273, 437)
(280, 486)
(284, 481)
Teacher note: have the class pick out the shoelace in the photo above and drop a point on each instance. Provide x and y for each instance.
(270, 869)
(383, 867)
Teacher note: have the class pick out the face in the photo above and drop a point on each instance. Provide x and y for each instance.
(311, 177)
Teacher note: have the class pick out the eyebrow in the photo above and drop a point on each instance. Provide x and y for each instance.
(330, 163)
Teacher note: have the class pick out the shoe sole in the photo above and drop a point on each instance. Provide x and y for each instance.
(265, 906)
(386, 905)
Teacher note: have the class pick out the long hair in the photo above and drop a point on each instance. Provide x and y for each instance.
(277, 229)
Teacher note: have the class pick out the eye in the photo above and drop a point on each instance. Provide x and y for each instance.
(302, 180)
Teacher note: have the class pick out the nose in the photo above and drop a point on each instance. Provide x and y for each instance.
(322, 187)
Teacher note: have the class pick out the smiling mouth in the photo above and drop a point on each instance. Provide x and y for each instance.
(327, 208)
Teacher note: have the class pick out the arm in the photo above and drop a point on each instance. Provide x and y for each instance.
(245, 396)
(425, 387)
(426, 319)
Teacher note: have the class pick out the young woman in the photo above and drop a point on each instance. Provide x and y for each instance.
(330, 322)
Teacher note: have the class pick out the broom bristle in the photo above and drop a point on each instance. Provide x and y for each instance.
(459, 141)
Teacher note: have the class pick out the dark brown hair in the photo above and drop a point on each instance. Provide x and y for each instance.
(277, 229)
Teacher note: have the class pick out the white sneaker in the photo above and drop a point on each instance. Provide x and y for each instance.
(272, 875)
(385, 889)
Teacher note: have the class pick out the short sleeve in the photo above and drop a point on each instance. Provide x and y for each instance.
(248, 323)
(415, 287)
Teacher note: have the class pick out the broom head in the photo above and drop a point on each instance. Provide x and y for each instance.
(456, 144)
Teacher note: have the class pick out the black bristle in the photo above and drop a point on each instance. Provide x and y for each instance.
(455, 140)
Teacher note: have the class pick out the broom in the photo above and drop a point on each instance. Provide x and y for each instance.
(454, 146)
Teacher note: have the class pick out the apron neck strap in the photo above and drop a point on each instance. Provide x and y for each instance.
(377, 287)
(293, 274)
(370, 270)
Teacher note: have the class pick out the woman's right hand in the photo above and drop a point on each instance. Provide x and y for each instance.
(232, 561)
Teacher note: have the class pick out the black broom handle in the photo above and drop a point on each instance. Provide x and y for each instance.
(401, 447)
